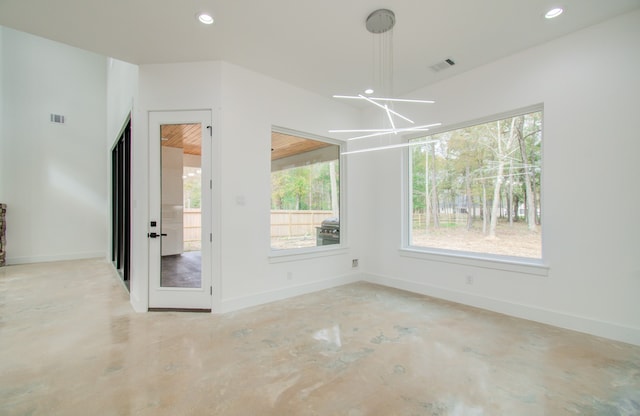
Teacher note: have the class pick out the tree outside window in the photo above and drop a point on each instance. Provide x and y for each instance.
(305, 191)
(477, 189)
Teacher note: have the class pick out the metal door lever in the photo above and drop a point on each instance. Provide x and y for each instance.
(155, 235)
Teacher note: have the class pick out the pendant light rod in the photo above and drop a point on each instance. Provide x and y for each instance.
(384, 107)
(380, 22)
(393, 125)
(391, 146)
(382, 132)
(426, 126)
(397, 100)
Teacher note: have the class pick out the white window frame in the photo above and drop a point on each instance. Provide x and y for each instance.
(537, 267)
(295, 254)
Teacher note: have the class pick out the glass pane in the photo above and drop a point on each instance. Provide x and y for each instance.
(181, 214)
(305, 192)
(477, 189)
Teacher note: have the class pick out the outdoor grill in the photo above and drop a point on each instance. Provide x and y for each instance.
(328, 232)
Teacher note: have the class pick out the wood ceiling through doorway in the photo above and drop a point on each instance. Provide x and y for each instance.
(285, 145)
(182, 136)
(188, 137)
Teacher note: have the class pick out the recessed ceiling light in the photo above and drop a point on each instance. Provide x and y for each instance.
(555, 12)
(205, 18)
(368, 91)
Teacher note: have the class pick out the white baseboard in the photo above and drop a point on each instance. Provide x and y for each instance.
(234, 304)
(550, 317)
(58, 257)
(137, 304)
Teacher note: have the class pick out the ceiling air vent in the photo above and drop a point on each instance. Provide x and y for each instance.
(57, 118)
(447, 63)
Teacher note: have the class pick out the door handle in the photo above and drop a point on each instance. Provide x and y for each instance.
(155, 235)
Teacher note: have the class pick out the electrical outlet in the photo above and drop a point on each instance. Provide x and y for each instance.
(289, 276)
(354, 263)
(469, 279)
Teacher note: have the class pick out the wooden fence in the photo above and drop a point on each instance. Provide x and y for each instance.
(192, 225)
(458, 219)
(284, 223)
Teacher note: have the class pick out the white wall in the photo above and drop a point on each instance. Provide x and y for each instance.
(183, 86)
(193, 161)
(172, 200)
(251, 105)
(122, 91)
(2, 152)
(589, 84)
(245, 105)
(53, 176)
(122, 95)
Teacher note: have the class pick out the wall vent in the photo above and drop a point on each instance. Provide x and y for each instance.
(57, 118)
(439, 66)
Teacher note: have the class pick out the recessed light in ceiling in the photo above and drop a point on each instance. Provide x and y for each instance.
(555, 12)
(205, 18)
(368, 91)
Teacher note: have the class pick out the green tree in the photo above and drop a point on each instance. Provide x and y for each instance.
(309, 187)
(191, 187)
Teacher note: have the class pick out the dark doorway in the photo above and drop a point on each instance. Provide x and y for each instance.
(121, 203)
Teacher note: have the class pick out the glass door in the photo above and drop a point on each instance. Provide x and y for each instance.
(180, 204)
(121, 204)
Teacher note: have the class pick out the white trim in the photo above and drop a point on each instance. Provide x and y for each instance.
(482, 120)
(313, 251)
(512, 264)
(305, 135)
(282, 256)
(216, 206)
(170, 296)
(102, 255)
(546, 316)
(241, 302)
(486, 260)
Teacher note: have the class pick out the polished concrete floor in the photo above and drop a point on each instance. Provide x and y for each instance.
(70, 344)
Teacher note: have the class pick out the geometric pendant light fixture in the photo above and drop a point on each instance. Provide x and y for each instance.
(380, 23)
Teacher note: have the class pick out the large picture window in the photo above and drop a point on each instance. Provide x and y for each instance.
(477, 189)
(305, 191)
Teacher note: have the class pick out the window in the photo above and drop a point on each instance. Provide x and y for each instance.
(305, 191)
(477, 189)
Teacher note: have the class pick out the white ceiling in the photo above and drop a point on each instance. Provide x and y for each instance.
(322, 46)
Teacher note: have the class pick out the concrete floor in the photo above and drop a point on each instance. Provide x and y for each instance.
(70, 344)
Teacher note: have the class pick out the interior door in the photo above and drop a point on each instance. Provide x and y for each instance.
(180, 206)
(121, 204)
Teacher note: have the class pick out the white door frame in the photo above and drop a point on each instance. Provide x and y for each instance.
(170, 297)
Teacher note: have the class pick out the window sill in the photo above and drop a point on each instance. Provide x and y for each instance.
(511, 264)
(281, 256)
